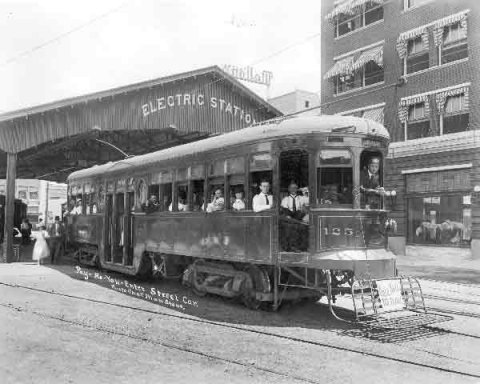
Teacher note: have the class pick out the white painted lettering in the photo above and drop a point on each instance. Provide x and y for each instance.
(170, 101)
(145, 110)
(161, 103)
(213, 102)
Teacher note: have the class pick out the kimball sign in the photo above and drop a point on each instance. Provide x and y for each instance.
(249, 74)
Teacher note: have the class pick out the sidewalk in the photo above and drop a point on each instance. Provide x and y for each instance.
(440, 263)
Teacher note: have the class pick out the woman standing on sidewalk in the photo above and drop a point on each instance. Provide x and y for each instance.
(41, 250)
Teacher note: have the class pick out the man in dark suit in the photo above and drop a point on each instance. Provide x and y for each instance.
(370, 184)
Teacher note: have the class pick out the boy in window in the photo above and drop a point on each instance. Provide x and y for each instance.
(370, 184)
(263, 201)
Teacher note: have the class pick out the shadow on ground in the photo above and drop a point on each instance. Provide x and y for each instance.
(305, 315)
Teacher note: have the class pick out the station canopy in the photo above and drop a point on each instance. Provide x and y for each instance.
(55, 139)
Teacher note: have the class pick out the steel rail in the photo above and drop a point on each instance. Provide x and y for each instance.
(229, 326)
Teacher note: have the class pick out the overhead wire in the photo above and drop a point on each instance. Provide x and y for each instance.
(63, 35)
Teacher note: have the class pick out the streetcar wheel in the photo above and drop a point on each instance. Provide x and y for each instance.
(197, 292)
(144, 271)
(251, 302)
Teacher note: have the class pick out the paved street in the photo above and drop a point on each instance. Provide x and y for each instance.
(58, 324)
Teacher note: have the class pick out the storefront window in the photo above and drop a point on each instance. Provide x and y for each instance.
(440, 219)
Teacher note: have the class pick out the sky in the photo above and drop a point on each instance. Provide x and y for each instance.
(51, 49)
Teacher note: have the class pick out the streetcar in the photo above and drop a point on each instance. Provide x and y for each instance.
(20, 213)
(155, 215)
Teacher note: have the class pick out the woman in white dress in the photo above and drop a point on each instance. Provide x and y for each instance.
(41, 249)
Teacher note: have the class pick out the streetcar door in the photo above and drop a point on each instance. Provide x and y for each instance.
(294, 201)
(107, 248)
(118, 229)
(128, 228)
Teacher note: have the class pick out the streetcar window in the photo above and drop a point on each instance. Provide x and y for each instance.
(255, 180)
(165, 191)
(294, 219)
(371, 179)
(87, 197)
(93, 202)
(237, 193)
(197, 194)
(182, 193)
(216, 198)
(236, 166)
(197, 184)
(153, 190)
(217, 168)
(335, 177)
(261, 165)
(101, 199)
(119, 233)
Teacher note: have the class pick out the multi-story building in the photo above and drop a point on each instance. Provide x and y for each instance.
(296, 101)
(42, 197)
(414, 66)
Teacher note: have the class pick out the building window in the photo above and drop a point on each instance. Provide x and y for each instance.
(22, 195)
(455, 45)
(34, 195)
(307, 104)
(418, 123)
(344, 83)
(443, 219)
(370, 74)
(373, 73)
(414, 3)
(417, 58)
(367, 14)
(456, 117)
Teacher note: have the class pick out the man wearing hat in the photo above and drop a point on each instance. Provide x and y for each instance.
(78, 209)
(56, 232)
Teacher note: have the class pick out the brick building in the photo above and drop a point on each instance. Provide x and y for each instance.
(414, 66)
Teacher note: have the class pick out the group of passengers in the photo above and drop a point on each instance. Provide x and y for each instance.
(293, 206)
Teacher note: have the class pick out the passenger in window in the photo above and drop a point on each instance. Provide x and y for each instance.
(306, 203)
(197, 201)
(239, 202)
(263, 201)
(218, 202)
(330, 194)
(78, 209)
(182, 206)
(151, 205)
(370, 184)
(293, 205)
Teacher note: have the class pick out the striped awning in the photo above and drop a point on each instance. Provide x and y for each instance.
(375, 114)
(349, 7)
(439, 26)
(341, 67)
(441, 97)
(404, 37)
(408, 101)
(374, 54)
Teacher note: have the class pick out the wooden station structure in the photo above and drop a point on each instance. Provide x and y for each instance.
(52, 140)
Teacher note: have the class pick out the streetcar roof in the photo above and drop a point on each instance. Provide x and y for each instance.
(270, 129)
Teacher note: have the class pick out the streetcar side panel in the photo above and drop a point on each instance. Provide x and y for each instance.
(246, 237)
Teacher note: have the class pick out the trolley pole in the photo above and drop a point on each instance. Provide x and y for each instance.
(45, 222)
(9, 207)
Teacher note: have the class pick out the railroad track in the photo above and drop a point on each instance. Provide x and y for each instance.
(453, 300)
(229, 326)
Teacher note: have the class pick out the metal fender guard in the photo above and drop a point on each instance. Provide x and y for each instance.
(388, 303)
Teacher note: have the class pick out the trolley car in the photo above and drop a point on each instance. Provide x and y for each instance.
(242, 253)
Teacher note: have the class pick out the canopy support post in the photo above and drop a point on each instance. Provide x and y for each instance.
(9, 207)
